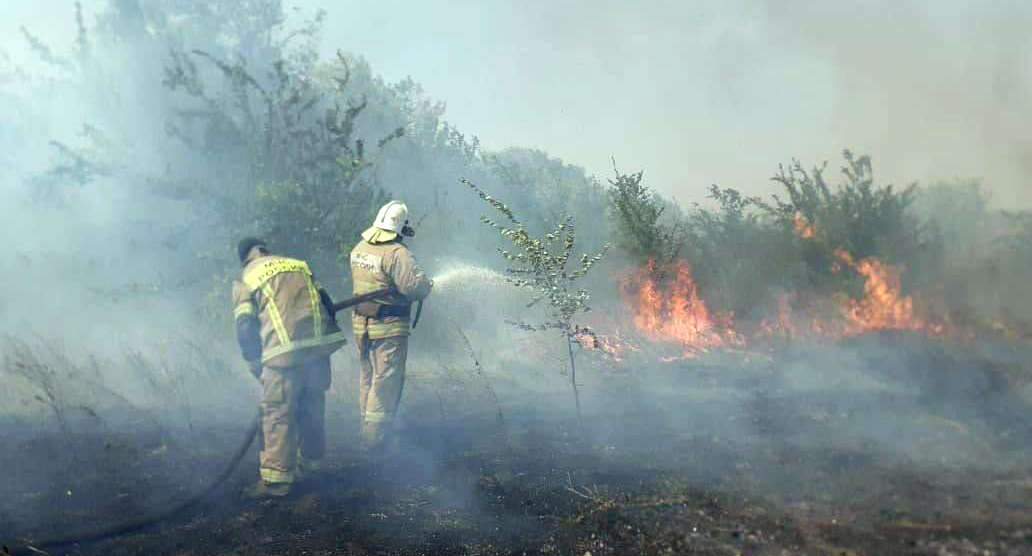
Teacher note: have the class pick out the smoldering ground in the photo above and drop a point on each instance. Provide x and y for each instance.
(129, 177)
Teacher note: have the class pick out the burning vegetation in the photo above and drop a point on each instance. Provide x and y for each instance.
(666, 306)
(278, 142)
(829, 282)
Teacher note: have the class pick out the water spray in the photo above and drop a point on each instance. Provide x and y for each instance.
(461, 275)
(144, 522)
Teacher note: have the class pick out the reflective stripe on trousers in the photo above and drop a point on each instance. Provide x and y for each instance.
(293, 418)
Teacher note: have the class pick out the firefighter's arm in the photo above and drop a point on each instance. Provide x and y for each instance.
(409, 277)
(248, 327)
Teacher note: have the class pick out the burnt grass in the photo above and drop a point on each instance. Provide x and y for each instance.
(465, 485)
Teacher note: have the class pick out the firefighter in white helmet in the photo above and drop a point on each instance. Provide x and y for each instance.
(381, 260)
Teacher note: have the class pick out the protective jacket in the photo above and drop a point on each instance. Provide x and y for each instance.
(376, 266)
(279, 297)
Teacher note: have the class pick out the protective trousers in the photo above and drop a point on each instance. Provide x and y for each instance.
(293, 419)
(379, 386)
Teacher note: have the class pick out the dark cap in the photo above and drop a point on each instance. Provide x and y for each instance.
(245, 246)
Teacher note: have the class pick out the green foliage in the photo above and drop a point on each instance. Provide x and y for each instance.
(856, 216)
(637, 212)
(730, 248)
(738, 257)
(264, 138)
(304, 182)
(542, 264)
(257, 141)
(543, 189)
(745, 249)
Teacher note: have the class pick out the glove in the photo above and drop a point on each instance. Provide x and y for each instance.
(256, 368)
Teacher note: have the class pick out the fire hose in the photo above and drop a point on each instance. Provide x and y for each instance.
(145, 521)
(153, 519)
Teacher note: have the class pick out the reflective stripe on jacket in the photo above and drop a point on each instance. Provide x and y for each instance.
(382, 265)
(295, 324)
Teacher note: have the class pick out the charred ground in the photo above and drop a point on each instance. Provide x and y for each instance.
(837, 367)
(788, 477)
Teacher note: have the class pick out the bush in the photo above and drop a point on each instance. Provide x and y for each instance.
(738, 256)
(855, 216)
(302, 183)
(545, 189)
(637, 213)
(746, 249)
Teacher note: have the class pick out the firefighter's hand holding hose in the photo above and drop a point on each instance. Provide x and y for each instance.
(381, 326)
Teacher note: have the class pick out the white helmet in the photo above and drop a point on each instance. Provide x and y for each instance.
(392, 217)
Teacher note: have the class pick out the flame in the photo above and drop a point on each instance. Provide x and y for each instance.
(611, 347)
(783, 325)
(668, 307)
(883, 306)
(802, 227)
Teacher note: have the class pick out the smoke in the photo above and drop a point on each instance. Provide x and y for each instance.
(108, 255)
(704, 92)
(932, 91)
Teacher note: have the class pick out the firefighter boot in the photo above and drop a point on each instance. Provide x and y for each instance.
(266, 491)
(310, 470)
(373, 440)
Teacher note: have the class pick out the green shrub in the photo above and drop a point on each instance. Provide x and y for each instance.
(303, 183)
(637, 213)
(855, 216)
(746, 249)
(739, 257)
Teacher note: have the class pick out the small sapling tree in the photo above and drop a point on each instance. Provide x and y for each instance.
(542, 265)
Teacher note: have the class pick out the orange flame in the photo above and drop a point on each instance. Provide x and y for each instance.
(669, 308)
(883, 306)
(612, 347)
(783, 325)
(802, 227)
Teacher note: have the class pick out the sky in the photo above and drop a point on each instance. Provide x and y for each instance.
(702, 92)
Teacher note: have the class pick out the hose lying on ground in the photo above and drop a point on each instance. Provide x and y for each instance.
(147, 520)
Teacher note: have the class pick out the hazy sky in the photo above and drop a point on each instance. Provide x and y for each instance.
(697, 92)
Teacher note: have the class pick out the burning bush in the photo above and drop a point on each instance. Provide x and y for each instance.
(825, 263)
(667, 306)
(855, 216)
